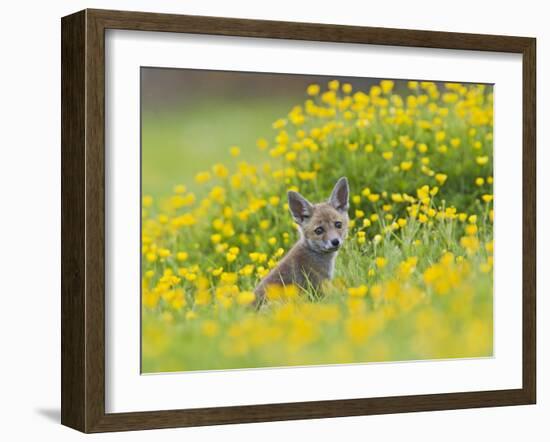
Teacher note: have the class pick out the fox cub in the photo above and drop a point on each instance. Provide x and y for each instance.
(323, 228)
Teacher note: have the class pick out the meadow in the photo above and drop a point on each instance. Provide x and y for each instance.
(414, 279)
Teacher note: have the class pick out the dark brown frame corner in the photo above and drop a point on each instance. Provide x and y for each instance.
(83, 217)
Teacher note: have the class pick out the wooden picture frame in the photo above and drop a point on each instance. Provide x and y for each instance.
(83, 220)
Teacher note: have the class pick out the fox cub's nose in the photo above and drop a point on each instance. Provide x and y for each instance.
(335, 242)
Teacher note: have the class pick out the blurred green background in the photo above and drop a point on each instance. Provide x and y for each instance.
(191, 118)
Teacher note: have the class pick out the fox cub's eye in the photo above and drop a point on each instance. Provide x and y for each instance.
(338, 224)
(319, 230)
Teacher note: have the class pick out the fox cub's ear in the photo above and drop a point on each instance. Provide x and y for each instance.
(300, 208)
(339, 199)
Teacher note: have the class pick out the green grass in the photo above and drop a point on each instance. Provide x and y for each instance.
(176, 144)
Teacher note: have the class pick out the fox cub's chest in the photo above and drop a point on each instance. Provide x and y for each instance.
(317, 269)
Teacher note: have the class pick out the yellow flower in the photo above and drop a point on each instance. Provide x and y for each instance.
(487, 198)
(247, 270)
(261, 271)
(235, 151)
(455, 142)
(202, 177)
(262, 143)
(373, 197)
(257, 257)
(471, 229)
(182, 256)
(470, 243)
(279, 124)
(334, 85)
(387, 86)
(203, 297)
(218, 271)
(307, 176)
(397, 198)
(313, 89)
(440, 178)
(479, 181)
(406, 165)
(291, 156)
(190, 276)
(358, 292)
(423, 193)
(347, 88)
(175, 299)
(380, 262)
(228, 278)
(228, 230)
(246, 298)
(482, 160)
(388, 155)
(147, 201)
(276, 292)
(220, 170)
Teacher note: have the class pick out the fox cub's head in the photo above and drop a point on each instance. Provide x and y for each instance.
(323, 226)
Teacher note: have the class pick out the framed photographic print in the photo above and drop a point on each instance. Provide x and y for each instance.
(267, 221)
